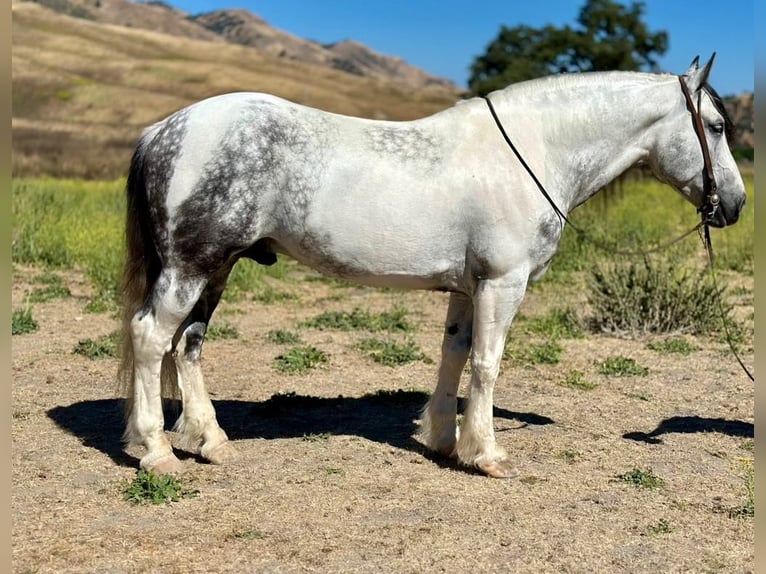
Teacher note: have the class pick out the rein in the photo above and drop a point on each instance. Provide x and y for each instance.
(707, 210)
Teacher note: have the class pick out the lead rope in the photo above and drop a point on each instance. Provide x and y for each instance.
(704, 234)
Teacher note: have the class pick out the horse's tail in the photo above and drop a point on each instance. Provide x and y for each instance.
(140, 272)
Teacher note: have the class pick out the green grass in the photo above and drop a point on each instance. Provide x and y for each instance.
(282, 337)
(558, 323)
(71, 223)
(221, 331)
(673, 345)
(747, 509)
(148, 487)
(526, 353)
(299, 360)
(662, 527)
(569, 456)
(390, 353)
(316, 437)
(49, 293)
(642, 478)
(101, 348)
(361, 320)
(619, 366)
(22, 322)
(576, 379)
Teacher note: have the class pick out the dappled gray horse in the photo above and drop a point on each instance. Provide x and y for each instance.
(439, 203)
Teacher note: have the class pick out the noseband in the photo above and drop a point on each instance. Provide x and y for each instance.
(709, 186)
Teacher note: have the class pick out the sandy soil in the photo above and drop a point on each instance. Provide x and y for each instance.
(366, 496)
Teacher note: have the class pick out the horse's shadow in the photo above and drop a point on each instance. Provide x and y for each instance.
(386, 417)
(693, 424)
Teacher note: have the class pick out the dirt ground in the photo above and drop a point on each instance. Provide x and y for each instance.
(333, 478)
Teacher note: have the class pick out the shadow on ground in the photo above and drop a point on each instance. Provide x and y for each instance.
(693, 425)
(385, 416)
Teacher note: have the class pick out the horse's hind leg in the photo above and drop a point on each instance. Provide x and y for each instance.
(152, 329)
(439, 421)
(198, 421)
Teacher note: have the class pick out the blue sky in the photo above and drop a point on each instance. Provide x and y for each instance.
(444, 36)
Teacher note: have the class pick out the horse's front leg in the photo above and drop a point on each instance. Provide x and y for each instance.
(439, 420)
(495, 304)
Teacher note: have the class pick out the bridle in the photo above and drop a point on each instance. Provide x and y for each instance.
(709, 185)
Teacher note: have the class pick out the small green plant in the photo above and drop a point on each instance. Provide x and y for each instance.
(570, 456)
(642, 478)
(391, 354)
(53, 291)
(222, 331)
(576, 380)
(361, 320)
(747, 509)
(317, 437)
(22, 322)
(557, 324)
(662, 527)
(333, 470)
(619, 366)
(250, 535)
(101, 348)
(270, 295)
(677, 345)
(148, 487)
(299, 360)
(282, 337)
(545, 353)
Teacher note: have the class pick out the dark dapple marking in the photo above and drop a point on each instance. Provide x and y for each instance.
(408, 145)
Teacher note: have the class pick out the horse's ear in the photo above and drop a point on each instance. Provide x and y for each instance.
(693, 67)
(696, 77)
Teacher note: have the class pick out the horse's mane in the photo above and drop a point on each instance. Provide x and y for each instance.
(564, 81)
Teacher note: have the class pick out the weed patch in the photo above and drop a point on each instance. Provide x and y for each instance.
(673, 345)
(49, 293)
(545, 353)
(102, 348)
(282, 337)
(557, 324)
(361, 320)
(22, 322)
(299, 360)
(576, 380)
(222, 331)
(642, 478)
(662, 527)
(619, 366)
(148, 487)
(391, 354)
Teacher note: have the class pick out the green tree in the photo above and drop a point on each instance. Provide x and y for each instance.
(608, 36)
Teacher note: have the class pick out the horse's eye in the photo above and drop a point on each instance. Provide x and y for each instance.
(717, 127)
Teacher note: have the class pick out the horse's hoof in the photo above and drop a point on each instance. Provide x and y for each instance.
(499, 469)
(219, 454)
(168, 464)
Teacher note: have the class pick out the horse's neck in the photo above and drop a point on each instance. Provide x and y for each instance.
(591, 129)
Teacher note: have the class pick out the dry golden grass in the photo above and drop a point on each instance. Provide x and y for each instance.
(82, 91)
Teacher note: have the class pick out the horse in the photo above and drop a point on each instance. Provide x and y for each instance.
(437, 203)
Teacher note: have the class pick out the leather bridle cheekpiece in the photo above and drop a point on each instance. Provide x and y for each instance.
(709, 185)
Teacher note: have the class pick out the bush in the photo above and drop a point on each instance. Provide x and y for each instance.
(648, 297)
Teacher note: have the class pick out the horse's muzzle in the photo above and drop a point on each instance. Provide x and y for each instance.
(725, 213)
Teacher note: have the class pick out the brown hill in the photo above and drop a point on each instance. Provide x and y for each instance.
(246, 28)
(83, 89)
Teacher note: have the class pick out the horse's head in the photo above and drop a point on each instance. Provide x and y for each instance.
(693, 152)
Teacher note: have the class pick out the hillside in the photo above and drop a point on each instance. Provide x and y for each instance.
(83, 89)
